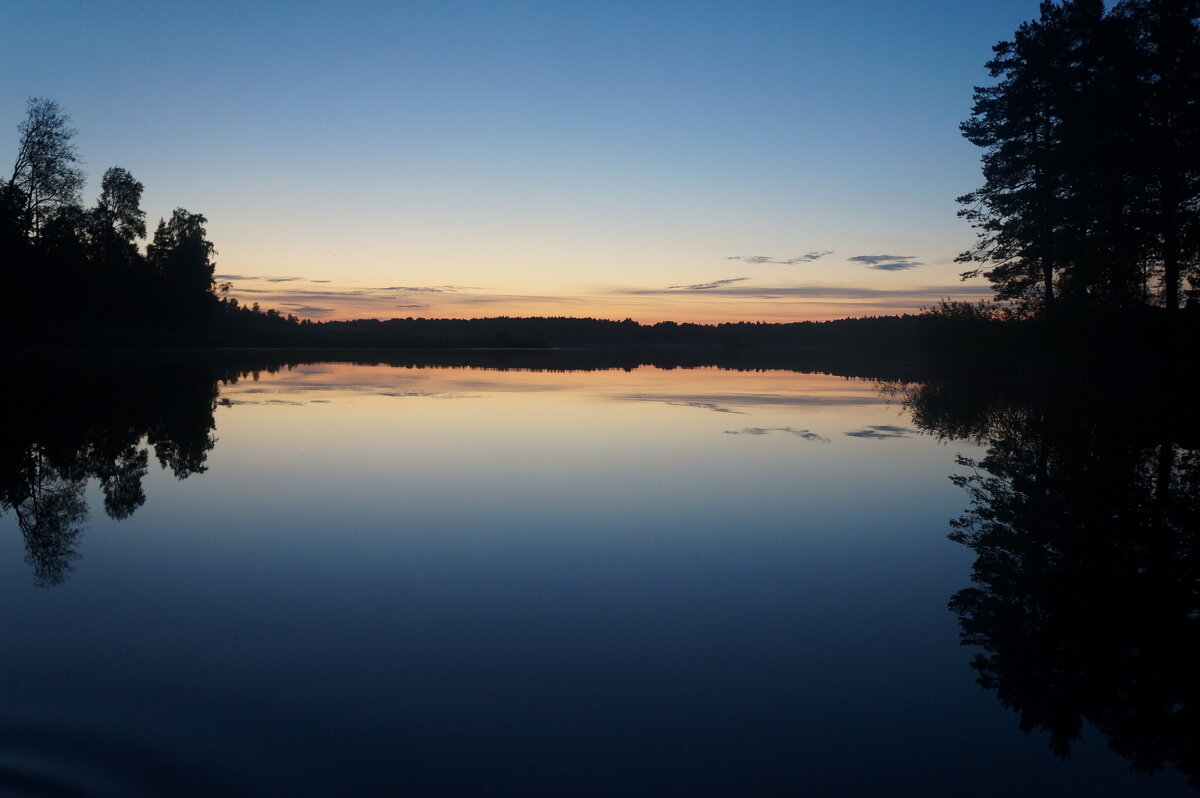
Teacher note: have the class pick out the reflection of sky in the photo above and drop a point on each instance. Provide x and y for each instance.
(571, 437)
(456, 578)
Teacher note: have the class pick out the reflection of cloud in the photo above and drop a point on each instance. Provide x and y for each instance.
(713, 406)
(805, 434)
(807, 257)
(888, 263)
(426, 395)
(882, 431)
(758, 399)
(228, 402)
(709, 285)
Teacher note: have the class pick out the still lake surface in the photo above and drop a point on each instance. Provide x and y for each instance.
(352, 578)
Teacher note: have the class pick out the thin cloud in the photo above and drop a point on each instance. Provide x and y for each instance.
(888, 263)
(423, 289)
(707, 286)
(490, 299)
(807, 257)
(821, 292)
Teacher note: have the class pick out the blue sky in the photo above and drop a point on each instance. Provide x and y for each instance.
(699, 161)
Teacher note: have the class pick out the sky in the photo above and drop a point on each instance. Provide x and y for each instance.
(692, 161)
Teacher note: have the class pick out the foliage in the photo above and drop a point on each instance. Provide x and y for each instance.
(1091, 194)
(71, 270)
(44, 170)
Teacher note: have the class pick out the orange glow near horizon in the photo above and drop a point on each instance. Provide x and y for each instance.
(323, 303)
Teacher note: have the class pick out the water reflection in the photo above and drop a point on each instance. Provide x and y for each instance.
(701, 573)
(93, 422)
(100, 419)
(1084, 516)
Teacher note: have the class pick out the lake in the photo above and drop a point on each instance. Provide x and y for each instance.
(318, 578)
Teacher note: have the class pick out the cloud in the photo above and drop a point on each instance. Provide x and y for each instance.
(489, 299)
(422, 289)
(888, 263)
(928, 293)
(307, 310)
(804, 434)
(253, 278)
(807, 257)
(882, 431)
(708, 286)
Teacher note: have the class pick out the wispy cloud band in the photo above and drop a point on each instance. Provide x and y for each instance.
(807, 257)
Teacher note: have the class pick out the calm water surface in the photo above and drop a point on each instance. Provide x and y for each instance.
(383, 580)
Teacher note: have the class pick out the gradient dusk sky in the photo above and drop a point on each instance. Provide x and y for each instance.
(695, 161)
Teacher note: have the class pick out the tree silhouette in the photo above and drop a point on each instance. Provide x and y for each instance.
(1168, 113)
(181, 256)
(118, 208)
(1091, 180)
(44, 169)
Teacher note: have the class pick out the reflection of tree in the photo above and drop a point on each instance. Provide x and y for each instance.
(50, 510)
(80, 422)
(1085, 598)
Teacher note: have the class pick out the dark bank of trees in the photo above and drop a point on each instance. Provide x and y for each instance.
(1091, 165)
(75, 272)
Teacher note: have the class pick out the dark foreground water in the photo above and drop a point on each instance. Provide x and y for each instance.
(374, 580)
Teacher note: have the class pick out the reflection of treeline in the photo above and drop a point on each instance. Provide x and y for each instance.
(845, 363)
(87, 421)
(1084, 516)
